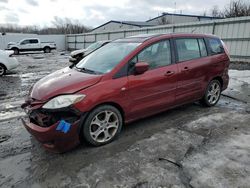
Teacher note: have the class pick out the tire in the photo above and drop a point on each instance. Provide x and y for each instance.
(102, 125)
(47, 50)
(2, 70)
(16, 51)
(213, 93)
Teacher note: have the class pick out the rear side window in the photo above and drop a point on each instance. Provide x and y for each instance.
(33, 41)
(215, 46)
(187, 49)
(203, 48)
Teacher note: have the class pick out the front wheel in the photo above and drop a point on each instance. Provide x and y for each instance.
(102, 125)
(212, 94)
(47, 50)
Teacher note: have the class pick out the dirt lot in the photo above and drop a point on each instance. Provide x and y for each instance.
(190, 146)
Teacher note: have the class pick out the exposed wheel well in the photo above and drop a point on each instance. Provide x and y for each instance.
(46, 47)
(14, 48)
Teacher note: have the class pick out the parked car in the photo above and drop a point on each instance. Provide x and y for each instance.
(77, 55)
(123, 81)
(7, 61)
(31, 44)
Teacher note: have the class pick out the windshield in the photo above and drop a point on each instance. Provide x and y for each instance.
(106, 58)
(94, 46)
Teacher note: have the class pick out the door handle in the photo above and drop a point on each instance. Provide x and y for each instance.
(169, 73)
(185, 69)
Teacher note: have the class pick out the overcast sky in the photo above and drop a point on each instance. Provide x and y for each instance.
(95, 12)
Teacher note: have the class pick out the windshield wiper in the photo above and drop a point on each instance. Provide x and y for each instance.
(86, 70)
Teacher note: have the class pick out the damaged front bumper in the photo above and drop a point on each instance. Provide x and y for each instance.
(48, 127)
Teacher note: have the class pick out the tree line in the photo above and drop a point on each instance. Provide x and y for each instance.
(60, 26)
(233, 9)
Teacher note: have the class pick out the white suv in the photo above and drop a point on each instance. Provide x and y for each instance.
(7, 62)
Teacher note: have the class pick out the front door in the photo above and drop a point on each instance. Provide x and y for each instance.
(153, 90)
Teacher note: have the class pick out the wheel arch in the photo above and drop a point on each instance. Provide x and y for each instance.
(219, 78)
(46, 47)
(15, 47)
(114, 104)
(3, 65)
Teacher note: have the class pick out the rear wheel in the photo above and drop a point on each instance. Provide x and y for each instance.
(47, 50)
(102, 125)
(212, 94)
(2, 70)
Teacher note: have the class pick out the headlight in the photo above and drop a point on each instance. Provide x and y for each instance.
(63, 101)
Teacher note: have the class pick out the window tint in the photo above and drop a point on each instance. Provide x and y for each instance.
(215, 46)
(156, 55)
(33, 41)
(187, 49)
(203, 49)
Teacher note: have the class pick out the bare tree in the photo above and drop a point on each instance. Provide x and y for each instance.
(163, 20)
(236, 9)
(215, 12)
(61, 26)
(205, 13)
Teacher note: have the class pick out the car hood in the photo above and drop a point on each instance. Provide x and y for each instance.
(64, 81)
(12, 43)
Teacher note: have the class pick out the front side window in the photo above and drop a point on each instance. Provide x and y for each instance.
(215, 46)
(104, 59)
(156, 55)
(187, 49)
(25, 42)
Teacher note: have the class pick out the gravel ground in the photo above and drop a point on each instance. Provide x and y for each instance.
(190, 146)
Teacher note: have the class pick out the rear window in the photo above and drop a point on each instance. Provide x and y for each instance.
(215, 46)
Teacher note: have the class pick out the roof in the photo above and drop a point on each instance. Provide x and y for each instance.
(186, 15)
(138, 38)
(144, 37)
(132, 23)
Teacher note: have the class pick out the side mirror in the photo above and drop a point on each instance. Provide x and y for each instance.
(141, 67)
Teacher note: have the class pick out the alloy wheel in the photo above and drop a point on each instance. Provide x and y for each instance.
(213, 94)
(104, 126)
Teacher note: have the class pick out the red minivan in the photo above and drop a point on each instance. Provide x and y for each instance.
(123, 81)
